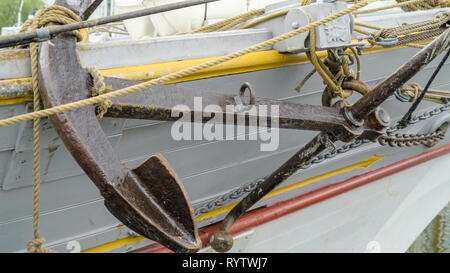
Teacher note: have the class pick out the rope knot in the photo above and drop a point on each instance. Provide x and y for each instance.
(426, 4)
(99, 88)
(408, 92)
(36, 246)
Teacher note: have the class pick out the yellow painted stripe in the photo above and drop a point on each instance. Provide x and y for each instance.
(113, 245)
(363, 164)
(256, 61)
(130, 240)
(14, 100)
(251, 62)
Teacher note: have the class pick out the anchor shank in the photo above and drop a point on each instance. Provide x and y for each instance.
(366, 105)
(303, 156)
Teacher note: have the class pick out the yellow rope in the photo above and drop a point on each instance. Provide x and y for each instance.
(272, 16)
(428, 25)
(307, 2)
(305, 80)
(180, 74)
(321, 69)
(59, 15)
(398, 5)
(221, 24)
(54, 14)
(236, 22)
(264, 19)
(408, 34)
(368, 33)
(425, 4)
(334, 71)
(413, 91)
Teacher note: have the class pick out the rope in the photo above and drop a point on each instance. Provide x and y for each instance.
(428, 25)
(319, 66)
(425, 4)
(398, 5)
(58, 15)
(273, 15)
(180, 74)
(99, 88)
(55, 15)
(234, 21)
(334, 70)
(35, 246)
(406, 34)
(229, 21)
(411, 92)
(407, 117)
(307, 2)
(265, 19)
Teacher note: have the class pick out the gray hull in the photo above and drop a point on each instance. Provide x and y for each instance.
(72, 211)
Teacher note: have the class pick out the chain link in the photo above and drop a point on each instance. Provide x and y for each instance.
(390, 138)
(409, 140)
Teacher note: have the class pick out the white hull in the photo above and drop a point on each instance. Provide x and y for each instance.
(384, 216)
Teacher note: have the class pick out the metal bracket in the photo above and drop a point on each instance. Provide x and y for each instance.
(335, 34)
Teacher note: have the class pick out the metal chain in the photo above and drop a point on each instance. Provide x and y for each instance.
(247, 188)
(425, 116)
(409, 140)
(400, 140)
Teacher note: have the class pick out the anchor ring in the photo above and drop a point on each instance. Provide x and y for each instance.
(348, 86)
(250, 88)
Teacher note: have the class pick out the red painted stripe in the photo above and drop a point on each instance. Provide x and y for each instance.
(263, 215)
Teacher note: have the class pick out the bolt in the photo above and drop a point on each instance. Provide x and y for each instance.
(379, 119)
(383, 116)
(221, 241)
(295, 25)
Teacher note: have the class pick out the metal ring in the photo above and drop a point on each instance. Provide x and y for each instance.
(350, 86)
(43, 34)
(244, 87)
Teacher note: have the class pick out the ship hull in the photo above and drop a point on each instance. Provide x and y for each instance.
(73, 215)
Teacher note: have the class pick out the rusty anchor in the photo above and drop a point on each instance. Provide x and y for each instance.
(150, 199)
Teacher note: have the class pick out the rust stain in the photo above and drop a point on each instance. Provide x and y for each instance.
(14, 54)
(51, 153)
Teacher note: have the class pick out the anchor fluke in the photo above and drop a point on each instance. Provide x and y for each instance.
(152, 201)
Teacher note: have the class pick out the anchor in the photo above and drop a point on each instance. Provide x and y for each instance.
(149, 199)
